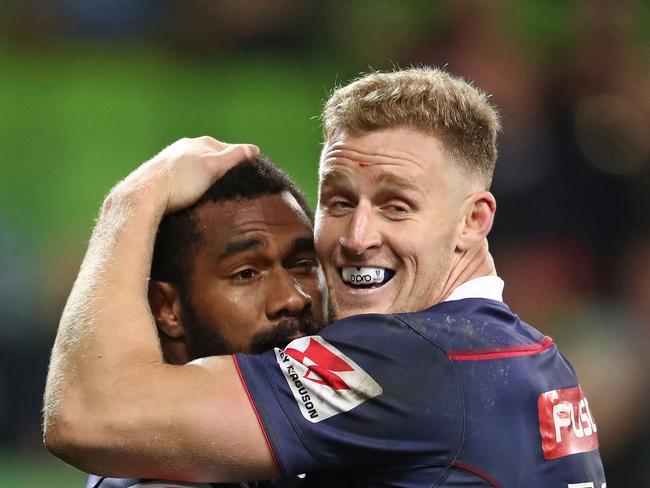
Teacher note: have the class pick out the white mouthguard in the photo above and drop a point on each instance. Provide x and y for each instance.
(362, 276)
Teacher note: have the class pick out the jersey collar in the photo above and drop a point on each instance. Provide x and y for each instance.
(490, 287)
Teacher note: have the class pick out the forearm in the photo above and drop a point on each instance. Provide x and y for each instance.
(111, 405)
(106, 330)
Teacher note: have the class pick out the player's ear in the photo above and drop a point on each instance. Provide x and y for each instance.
(165, 303)
(477, 221)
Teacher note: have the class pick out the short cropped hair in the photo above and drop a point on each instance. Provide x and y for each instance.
(427, 99)
(178, 236)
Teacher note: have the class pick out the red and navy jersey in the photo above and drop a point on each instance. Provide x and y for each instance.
(94, 481)
(462, 394)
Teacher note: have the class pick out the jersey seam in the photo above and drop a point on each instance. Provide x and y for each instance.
(294, 425)
(464, 422)
(443, 476)
(258, 416)
(477, 472)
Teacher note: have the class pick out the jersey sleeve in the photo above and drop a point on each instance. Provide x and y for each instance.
(366, 393)
(101, 482)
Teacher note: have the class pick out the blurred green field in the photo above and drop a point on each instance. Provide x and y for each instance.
(43, 470)
(76, 120)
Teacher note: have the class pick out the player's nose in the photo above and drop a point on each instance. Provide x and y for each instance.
(361, 233)
(286, 297)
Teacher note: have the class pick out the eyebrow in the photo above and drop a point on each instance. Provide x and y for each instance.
(242, 245)
(302, 244)
(391, 180)
(335, 177)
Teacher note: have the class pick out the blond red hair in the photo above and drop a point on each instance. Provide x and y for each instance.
(428, 99)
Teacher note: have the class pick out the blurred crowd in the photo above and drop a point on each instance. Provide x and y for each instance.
(572, 235)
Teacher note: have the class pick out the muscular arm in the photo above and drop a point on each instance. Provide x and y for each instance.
(112, 406)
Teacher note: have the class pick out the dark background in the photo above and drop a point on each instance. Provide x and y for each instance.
(89, 89)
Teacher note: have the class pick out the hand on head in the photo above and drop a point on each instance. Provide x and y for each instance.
(184, 170)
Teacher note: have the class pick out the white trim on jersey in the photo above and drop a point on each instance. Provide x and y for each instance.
(490, 287)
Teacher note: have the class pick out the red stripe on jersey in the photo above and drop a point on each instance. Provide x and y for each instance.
(502, 352)
(474, 470)
(257, 414)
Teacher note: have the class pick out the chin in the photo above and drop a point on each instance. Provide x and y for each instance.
(348, 300)
(342, 312)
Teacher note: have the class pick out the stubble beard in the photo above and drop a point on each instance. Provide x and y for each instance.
(203, 341)
(282, 333)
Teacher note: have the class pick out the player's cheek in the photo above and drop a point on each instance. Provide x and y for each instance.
(327, 236)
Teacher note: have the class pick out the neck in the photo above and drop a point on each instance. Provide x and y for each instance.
(470, 264)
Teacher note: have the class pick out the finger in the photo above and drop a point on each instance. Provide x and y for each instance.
(251, 149)
(220, 162)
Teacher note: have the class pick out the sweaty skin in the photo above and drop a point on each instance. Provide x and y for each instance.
(256, 271)
(107, 338)
(112, 407)
(391, 199)
(253, 283)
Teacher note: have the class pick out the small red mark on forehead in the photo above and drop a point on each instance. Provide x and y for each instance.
(363, 165)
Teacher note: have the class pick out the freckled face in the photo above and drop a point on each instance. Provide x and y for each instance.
(255, 277)
(388, 203)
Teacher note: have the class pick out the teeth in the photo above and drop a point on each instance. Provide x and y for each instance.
(362, 276)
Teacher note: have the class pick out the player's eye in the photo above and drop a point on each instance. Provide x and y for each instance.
(339, 206)
(245, 274)
(396, 209)
(307, 266)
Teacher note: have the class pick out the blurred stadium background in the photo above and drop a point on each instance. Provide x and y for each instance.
(91, 88)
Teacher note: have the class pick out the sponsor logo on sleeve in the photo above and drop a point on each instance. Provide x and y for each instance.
(566, 423)
(323, 380)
